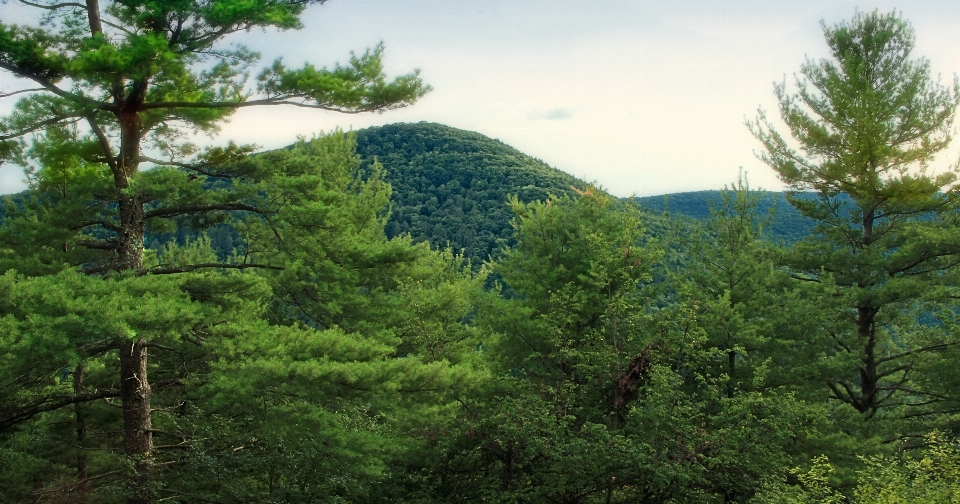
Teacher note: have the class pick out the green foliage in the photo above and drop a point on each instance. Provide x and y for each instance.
(305, 381)
(597, 394)
(930, 477)
(306, 345)
(61, 337)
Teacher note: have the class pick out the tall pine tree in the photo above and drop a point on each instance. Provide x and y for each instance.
(112, 87)
(865, 124)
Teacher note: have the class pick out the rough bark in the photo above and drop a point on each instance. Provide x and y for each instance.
(93, 16)
(130, 246)
(134, 386)
(137, 428)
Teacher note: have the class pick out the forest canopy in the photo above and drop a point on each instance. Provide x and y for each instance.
(186, 324)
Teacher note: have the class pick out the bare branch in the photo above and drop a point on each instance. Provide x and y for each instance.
(12, 93)
(54, 6)
(160, 347)
(98, 245)
(931, 348)
(104, 224)
(51, 87)
(284, 100)
(199, 168)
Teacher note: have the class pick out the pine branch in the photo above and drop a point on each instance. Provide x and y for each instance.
(199, 168)
(40, 125)
(281, 100)
(48, 85)
(193, 209)
(104, 224)
(98, 245)
(15, 416)
(159, 270)
(54, 6)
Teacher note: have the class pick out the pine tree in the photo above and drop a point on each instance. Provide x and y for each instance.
(116, 86)
(867, 122)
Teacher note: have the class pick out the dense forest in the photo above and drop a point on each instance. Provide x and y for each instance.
(418, 314)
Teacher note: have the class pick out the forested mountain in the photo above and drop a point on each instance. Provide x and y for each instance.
(451, 186)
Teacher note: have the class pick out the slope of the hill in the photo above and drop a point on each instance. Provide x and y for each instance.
(451, 186)
(787, 223)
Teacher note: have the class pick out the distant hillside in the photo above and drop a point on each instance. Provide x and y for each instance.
(451, 186)
(787, 225)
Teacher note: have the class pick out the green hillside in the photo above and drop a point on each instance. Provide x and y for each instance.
(787, 223)
(451, 186)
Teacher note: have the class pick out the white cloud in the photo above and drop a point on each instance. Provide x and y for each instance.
(557, 114)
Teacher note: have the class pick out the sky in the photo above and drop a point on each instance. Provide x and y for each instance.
(642, 97)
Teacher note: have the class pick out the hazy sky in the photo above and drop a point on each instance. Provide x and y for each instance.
(643, 97)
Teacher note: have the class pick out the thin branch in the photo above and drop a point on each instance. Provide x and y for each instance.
(98, 245)
(931, 348)
(118, 27)
(54, 6)
(104, 142)
(257, 103)
(903, 367)
(38, 126)
(158, 270)
(10, 418)
(104, 224)
(159, 346)
(74, 486)
(51, 87)
(192, 167)
(191, 209)
(31, 90)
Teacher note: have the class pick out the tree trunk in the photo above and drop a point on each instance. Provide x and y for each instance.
(732, 367)
(134, 387)
(868, 373)
(130, 246)
(137, 433)
(93, 17)
(83, 483)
